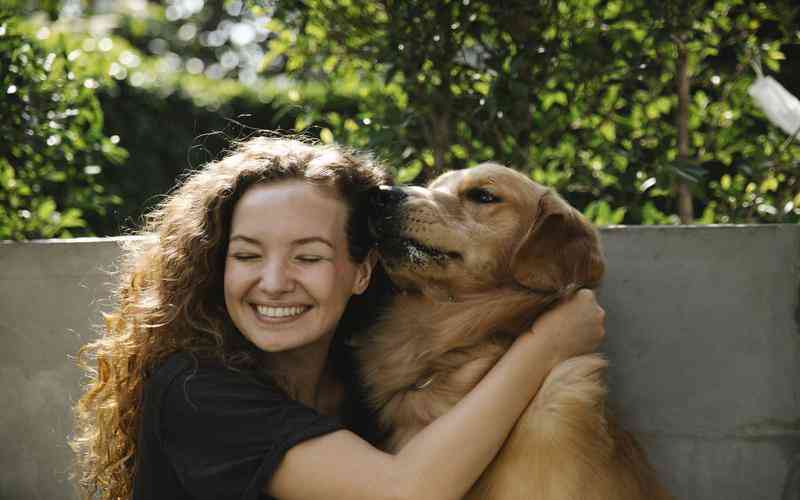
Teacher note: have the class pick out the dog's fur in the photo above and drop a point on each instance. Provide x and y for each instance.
(476, 257)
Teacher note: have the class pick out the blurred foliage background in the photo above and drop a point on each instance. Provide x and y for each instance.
(636, 111)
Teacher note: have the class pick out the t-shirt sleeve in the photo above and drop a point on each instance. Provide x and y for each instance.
(225, 432)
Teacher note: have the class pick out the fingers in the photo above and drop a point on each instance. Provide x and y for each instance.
(582, 317)
(589, 298)
(594, 307)
(595, 313)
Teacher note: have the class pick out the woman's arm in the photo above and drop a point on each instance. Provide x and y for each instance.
(448, 456)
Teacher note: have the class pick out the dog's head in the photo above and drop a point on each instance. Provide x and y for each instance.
(480, 229)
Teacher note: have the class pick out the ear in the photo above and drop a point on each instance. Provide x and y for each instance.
(364, 272)
(560, 249)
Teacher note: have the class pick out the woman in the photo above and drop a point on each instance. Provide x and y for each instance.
(222, 373)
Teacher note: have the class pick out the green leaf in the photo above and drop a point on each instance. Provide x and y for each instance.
(72, 218)
(688, 170)
(409, 173)
(769, 184)
(608, 130)
(56, 176)
(45, 209)
(326, 136)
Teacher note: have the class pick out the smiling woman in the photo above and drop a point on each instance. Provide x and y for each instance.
(224, 370)
(254, 255)
(287, 283)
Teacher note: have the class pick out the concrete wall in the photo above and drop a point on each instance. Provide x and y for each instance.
(705, 351)
(703, 341)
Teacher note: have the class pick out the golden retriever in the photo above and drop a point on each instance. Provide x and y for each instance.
(476, 257)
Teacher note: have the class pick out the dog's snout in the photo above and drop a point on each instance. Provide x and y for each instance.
(386, 196)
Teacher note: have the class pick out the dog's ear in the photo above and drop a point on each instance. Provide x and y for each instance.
(560, 249)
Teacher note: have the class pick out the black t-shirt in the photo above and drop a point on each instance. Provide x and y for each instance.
(208, 432)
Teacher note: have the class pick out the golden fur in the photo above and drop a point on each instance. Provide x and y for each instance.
(478, 255)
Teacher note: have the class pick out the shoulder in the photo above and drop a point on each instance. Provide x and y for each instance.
(176, 365)
(224, 432)
(185, 382)
(207, 407)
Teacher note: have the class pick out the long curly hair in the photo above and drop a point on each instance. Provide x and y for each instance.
(169, 296)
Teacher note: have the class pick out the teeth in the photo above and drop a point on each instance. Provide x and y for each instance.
(279, 312)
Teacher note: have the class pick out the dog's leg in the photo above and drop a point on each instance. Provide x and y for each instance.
(545, 456)
(565, 447)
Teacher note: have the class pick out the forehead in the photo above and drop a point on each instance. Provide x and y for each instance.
(291, 208)
(487, 175)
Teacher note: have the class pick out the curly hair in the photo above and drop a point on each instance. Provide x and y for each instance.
(170, 293)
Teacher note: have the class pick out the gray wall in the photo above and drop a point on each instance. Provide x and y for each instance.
(49, 293)
(704, 343)
(702, 335)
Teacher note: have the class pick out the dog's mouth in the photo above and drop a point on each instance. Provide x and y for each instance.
(388, 224)
(395, 250)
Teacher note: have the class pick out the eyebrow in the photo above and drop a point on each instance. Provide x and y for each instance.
(312, 239)
(298, 242)
(246, 239)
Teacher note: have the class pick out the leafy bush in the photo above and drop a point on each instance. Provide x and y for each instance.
(579, 94)
(54, 145)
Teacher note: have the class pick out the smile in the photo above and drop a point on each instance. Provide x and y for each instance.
(279, 312)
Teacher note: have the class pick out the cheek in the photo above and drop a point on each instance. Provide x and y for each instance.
(335, 281)
(233, 280)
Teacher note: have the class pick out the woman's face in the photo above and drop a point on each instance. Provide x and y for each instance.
(288, 273)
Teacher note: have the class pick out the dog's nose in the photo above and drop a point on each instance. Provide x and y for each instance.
(386, 196)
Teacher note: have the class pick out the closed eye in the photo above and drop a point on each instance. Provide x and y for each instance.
(245, 256)
(481, 195)
(309, 258)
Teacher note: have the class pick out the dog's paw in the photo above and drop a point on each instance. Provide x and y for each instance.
(573, 395)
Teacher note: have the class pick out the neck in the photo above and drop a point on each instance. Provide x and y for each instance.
(303, 370)
(471, 317)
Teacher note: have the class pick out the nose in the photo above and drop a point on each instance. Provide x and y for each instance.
(276, 277)
(386, 196)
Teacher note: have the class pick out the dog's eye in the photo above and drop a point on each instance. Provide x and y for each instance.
(480, 195)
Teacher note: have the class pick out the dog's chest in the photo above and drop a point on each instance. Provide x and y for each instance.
(422, 358)
(450, 377)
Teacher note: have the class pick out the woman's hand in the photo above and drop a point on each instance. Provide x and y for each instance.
(573, 327)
